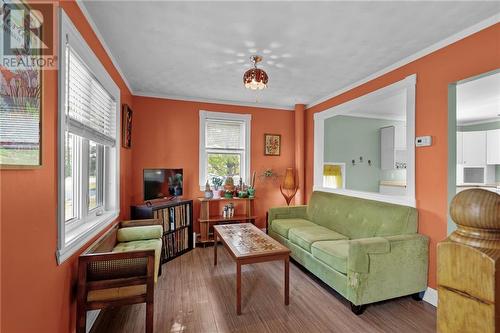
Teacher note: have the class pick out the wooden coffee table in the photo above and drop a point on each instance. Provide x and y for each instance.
(247, 244)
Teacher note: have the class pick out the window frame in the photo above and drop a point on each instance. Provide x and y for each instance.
(204, 151)
(76, 233)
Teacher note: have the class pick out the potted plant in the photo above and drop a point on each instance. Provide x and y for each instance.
(217, 183)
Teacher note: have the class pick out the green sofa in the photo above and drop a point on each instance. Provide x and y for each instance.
(368, 251)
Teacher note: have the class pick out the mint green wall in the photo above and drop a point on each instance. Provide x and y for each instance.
(483, 127)
(348, 138)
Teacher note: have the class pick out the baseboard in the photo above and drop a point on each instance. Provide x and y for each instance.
(91, 318)
(431, 296)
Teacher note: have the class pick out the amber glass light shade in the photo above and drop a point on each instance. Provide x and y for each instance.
(255, 78)
(289, 187)
(289, 182)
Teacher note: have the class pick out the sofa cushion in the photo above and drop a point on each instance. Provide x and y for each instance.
(332, 253)
(282, 226)
(360, 218)
(305, 236)
(150, 244)
(139, 233)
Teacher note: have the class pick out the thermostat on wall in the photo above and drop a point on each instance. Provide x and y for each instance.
(423, 141)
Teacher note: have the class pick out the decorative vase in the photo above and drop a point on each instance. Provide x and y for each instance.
(251, 192)
(229, 184)
(216, 194)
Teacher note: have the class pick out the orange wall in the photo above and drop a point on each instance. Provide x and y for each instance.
(166, 135)
(471, 56)
(37, 294)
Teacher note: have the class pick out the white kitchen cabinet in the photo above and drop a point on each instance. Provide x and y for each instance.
(387, 152)
(400, 137)
(392, 147)
(474, 148)
(460, 150)
(493, 146)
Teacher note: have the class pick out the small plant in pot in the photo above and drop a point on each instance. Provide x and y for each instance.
(217, 184)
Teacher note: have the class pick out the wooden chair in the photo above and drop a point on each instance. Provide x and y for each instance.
(109, 279)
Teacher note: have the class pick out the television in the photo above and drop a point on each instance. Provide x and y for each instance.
(162, 183)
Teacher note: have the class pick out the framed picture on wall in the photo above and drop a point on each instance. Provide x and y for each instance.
(126, 126)
(21, 102)
(272, 144)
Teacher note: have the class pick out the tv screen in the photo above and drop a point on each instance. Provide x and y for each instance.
(162, 183)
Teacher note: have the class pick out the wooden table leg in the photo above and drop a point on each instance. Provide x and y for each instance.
(287, 280)
(215, 248)
(238, 288)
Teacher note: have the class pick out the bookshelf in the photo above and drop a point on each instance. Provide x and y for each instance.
(211, 214)
(176, 216)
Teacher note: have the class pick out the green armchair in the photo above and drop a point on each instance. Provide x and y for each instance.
(120, 268)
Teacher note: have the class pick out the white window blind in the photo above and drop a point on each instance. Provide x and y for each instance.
(90, 109)
(225, 134)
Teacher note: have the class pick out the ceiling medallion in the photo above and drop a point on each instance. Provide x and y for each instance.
(255, 78)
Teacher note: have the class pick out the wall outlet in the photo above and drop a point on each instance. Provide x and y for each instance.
(423, 141)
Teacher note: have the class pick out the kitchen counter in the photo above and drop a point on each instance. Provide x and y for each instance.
(398, 183)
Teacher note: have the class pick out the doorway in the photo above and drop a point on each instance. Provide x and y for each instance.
(473, 135)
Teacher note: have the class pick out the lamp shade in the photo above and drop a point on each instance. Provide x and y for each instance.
(289, 181)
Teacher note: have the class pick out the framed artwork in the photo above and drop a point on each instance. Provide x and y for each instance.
(126, 126)
(272, 144)
(21, 105)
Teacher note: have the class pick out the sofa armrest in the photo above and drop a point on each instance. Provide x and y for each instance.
(287, 212)
(117, 265)
(400, 271)
(359, 250)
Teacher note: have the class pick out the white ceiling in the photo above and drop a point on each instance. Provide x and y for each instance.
(200, 50)
(479, 100)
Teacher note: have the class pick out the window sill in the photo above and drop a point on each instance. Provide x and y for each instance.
(81, 235)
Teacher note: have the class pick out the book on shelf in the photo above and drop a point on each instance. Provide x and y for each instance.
(173, 218)
(176, 242)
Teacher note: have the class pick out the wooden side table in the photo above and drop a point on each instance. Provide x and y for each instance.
(210, 215)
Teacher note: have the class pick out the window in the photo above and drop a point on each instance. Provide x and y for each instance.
(224, 146)
(89, 103)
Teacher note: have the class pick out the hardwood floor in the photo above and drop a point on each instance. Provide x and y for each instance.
(194, 296)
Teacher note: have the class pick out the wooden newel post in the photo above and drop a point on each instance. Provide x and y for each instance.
(468, 265)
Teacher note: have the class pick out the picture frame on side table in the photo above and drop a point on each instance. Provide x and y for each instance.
(272, 144)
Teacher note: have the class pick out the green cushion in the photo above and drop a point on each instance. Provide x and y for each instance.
(360, 218)
(150, 244)
(305, 236)
(332, 253)
(282, 226)
(139, 233)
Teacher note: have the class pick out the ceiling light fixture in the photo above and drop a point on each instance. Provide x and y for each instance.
(255, 78)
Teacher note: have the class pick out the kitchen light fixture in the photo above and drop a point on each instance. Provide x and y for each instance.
(255, 78)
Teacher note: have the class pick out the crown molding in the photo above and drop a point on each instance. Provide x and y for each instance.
(87, 15)
(434, 47)
(211, 101)
(477, 122)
